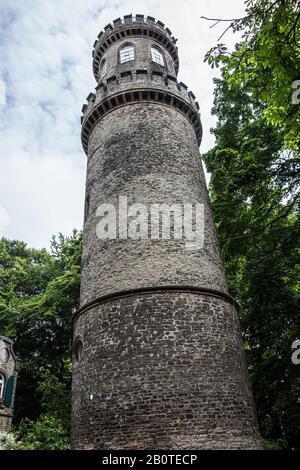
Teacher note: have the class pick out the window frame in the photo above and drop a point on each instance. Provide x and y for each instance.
(3, 379)
(102, 69)
(77, 350)
(155, 50)
(127, 44)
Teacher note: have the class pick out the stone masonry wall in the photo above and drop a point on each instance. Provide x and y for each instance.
(166, 371)
(142, 52)
(149, 153)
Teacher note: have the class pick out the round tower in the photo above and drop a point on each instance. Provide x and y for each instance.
(157, 352)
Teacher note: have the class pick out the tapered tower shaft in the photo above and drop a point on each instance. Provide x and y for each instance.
(158, 356)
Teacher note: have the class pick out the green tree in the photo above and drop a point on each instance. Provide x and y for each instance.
(256, 215)
(255, 194)
(46, 433)
(39, 294)
(269, 56)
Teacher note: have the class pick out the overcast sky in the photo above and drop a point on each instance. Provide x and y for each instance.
(45, 64)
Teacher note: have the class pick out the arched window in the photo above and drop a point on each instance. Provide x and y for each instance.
(103, 69)
(77, 349)
(127, 53)
(2, 385)
(157, 56)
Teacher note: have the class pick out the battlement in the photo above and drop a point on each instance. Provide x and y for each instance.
(138, 76)
(139, 86)
(133, 26)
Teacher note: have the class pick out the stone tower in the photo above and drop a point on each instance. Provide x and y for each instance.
(157, 350)
(8, 378)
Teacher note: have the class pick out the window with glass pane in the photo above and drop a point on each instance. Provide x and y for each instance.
(126, 53)
(103, 69)
(157, 56)
(2, 384)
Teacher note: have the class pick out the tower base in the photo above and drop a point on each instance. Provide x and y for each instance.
(162, 370)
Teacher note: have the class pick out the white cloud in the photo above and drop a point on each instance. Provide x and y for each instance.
(45, 52)
(4, 218)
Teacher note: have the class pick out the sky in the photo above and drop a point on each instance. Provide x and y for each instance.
(45, 77)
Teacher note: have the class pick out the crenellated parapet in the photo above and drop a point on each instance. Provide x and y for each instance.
(131, 26)
(139, 86)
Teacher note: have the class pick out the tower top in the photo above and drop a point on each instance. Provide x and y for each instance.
(133, 26)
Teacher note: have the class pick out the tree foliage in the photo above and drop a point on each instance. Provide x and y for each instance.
(255, 194)
(39, 293)
(268, 57)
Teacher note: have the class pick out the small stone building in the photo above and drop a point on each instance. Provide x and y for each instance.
(8, 378)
